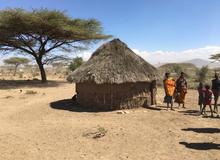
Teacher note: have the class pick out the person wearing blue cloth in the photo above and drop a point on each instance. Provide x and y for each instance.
(216, 92)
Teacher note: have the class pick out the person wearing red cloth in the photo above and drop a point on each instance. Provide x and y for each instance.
(207, 100)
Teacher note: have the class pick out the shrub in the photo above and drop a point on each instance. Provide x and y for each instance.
(202, 74)
(78, 61)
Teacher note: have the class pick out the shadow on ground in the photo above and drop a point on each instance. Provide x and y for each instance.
(161, 106)
(14, 84)
(154, 108)
(71, 105)
(190, 112)
(203, 130)
(201, 146)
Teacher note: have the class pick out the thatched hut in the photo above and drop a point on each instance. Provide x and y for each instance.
(114, 78)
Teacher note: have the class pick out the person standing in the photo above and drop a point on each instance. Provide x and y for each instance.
(216, 92)
(201, 97)
(153, 92)
(181, 90)
(207, 100)
(169, 88)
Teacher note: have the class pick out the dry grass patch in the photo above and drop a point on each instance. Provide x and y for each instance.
(30, 92)
(96, 133)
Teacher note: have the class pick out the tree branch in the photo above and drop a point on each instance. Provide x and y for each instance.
(43, 44)
(12, 45)
(49, 60)
(56, 45)
(21, 38)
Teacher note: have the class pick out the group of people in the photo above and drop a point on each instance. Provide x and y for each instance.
(176, 90)
(207, 93)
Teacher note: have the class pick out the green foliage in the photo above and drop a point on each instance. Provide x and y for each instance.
(177, 69)
(38, 32)
(215, 57)
(202, 74)
(51, 24)
(188, 68)
(76, 62)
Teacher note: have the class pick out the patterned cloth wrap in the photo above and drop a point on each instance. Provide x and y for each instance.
(169, 86)
(181, 90)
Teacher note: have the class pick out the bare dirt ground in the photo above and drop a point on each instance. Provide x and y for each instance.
(45, 125)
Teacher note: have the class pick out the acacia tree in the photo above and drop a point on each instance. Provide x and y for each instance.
(16, 61)
(76, 62)
(41, 33)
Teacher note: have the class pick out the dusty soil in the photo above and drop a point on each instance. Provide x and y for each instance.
(45, 125)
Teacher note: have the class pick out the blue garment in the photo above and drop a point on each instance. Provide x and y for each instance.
(168, 99)
(216, 87)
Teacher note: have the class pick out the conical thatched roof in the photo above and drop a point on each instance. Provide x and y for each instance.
(112, 63)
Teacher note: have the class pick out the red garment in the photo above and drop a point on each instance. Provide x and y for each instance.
(201, 91)
(201, 97)
(208, 97)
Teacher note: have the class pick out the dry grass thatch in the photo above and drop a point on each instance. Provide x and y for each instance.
(112, 63)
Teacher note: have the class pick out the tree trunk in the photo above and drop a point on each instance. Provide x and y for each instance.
(42, 71)
(15, 71)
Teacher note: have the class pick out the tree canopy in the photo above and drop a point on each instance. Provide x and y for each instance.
(41, 31)
(16, 60)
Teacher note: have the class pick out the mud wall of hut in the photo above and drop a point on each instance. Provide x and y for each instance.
(113, 96)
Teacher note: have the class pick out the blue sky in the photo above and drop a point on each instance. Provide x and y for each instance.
(148, 26)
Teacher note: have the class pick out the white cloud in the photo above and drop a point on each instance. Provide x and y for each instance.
(157, 57)
(160, 56)
(85, 55)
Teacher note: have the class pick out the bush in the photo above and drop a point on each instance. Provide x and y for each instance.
(78, 61)
(202, 74)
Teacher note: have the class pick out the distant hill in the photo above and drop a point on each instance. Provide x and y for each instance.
(189, 68)
(175, 66)
(175, 69)
(198, 62)
(201, 62)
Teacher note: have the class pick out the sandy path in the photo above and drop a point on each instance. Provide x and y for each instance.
(32, 130)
